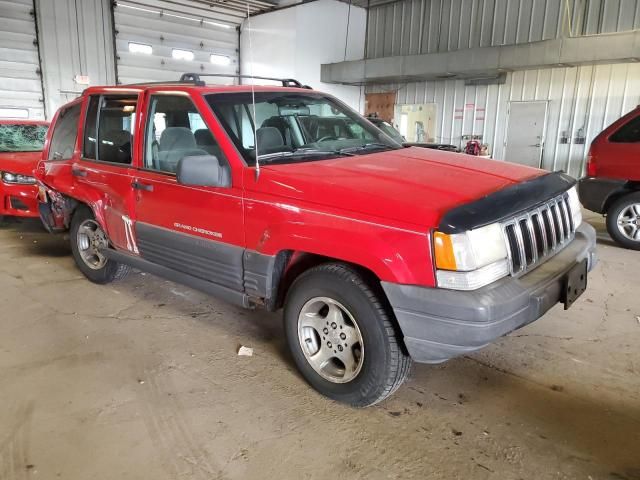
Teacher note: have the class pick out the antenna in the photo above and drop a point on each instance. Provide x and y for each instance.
(253, 95)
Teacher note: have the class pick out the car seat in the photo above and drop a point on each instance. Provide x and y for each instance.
(176, 143)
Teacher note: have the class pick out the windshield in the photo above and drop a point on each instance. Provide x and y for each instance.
(295, 127)
(389, 130)
(22, 138)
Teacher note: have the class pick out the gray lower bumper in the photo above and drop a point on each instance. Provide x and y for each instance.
(440, 324)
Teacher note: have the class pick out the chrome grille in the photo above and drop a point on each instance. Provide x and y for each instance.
(534, 236)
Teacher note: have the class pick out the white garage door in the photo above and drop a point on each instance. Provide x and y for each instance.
(160, 40)
(20, 84)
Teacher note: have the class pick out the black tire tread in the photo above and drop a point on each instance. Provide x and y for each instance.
(112, 271)
(400, 361)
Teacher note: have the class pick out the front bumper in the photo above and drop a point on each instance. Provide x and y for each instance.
(18, 200)
(440, 324)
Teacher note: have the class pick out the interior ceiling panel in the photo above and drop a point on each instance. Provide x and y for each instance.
(20, 82)
(153, 37)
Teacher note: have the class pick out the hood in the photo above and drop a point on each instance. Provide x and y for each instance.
(412, 185)
(23, 163)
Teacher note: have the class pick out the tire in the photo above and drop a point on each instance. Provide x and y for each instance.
(327, 308)
(623, 221)
(98, 269)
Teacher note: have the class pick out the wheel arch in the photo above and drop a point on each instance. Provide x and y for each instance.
(629, 188)
(290, 264)
(66, 207)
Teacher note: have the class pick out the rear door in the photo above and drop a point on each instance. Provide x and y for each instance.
(193, 230)
(103, 171)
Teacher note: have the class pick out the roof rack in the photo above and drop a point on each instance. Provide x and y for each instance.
(195, 79)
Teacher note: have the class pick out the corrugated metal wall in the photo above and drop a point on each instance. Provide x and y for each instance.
(581, 100)
(75, 39)
(427, 26)
(151, 24)
(20, 83)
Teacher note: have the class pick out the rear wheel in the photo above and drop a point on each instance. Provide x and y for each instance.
(88, 241)
(623, 221)
(342, 337)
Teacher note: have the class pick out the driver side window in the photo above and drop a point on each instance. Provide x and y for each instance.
(175, 129)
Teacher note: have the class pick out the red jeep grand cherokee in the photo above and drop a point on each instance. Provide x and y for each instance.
(612, 184)
(21, 143)
(377, 253)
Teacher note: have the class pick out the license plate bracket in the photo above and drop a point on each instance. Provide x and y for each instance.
(575, 284)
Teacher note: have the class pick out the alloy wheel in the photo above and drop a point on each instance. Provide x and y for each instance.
(330, 339)
(91, 240)
(629, 222)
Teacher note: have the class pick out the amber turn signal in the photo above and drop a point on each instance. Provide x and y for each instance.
(443, 251)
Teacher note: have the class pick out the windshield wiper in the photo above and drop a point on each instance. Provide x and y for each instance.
(366, 146)
(303, 152)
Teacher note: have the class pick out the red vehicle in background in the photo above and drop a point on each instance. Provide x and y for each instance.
(612, 184)
(21, 143)
(378, 254)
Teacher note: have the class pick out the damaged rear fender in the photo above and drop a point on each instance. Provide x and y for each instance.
(58, 209)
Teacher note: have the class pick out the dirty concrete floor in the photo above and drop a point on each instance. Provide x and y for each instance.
(140, 380)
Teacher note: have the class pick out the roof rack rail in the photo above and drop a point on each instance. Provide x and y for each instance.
(195, 79)
(166, 82)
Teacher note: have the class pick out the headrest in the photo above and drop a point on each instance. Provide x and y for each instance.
(269, 137)
(177, 138)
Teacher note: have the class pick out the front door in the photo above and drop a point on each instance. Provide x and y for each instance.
(193, 230)
(525, 133)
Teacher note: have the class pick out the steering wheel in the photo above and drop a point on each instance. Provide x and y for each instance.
(327, 137)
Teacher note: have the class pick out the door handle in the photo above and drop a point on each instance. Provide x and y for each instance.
(142, 186)
(78, 172)
(537, 145)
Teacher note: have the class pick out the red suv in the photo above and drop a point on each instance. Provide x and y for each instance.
(612, 184)
(21, 143)
(377, 253)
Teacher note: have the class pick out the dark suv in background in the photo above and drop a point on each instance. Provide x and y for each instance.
(612, 184)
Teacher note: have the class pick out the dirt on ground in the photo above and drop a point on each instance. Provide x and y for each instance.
(141, 380)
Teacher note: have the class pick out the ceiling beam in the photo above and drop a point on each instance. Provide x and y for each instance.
(482, 62)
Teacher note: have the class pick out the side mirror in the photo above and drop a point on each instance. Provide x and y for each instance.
(203, 171)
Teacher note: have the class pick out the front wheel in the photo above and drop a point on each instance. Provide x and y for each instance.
(342, 337)
(623, 221)
(88, 241)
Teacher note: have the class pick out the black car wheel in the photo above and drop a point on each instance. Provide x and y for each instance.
(88, 241)
(623, 221)
(342, 336)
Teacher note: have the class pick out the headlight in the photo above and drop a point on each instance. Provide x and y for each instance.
(576, 208)
(15, 178)
(470, 260)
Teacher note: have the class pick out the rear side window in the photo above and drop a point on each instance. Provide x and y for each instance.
(628, 133)
(109, 129)
(65, 131)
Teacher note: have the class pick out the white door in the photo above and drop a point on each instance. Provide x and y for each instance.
(525, 133)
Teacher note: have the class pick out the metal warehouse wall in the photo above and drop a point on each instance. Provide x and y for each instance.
(20, 83)
(75, 38)
(587, 98)
(150, 23)
(426, 26)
